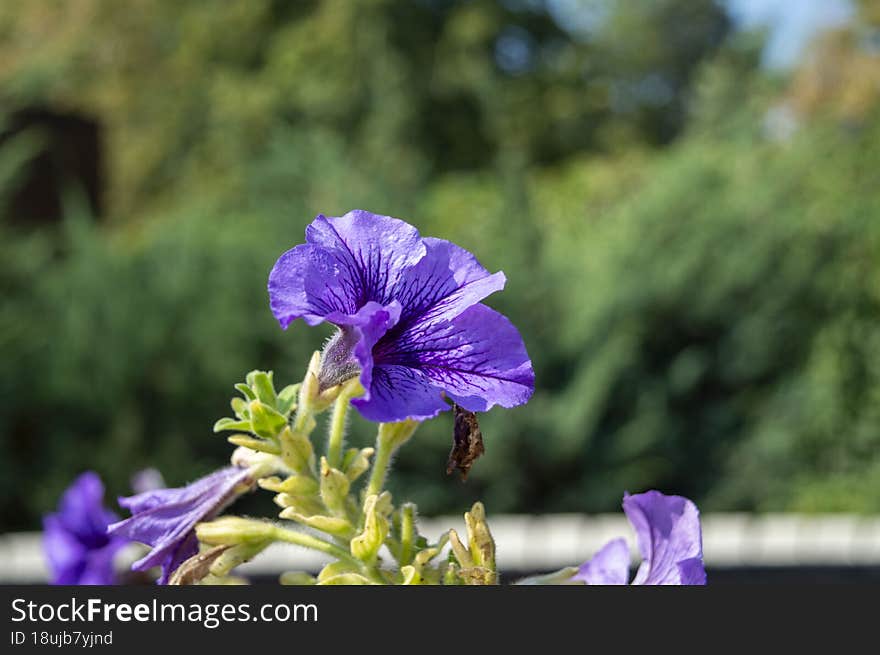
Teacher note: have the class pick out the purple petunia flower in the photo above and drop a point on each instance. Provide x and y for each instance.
(75, 541)
(165, 518)
(409, 315)
(669, 538)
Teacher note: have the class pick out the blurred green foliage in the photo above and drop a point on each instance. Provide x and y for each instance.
(695, 282)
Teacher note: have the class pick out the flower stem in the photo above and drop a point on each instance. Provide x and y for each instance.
(308, 541)
(407, 533)
(337, 429)
(391, 437)
(381, 460)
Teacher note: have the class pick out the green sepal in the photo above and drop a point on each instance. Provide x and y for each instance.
(334, 488)
(356, 462)
(266, 422)
(286, 402)
(260, 445)
(231, 424)
(298, 485)
(245, 391)
(332, 525)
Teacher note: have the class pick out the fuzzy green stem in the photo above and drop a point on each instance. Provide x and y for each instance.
(407, 534)
(308, 541)
(391, 437)
(336, 438)
(380, 467)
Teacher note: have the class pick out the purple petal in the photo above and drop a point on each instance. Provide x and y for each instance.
(609, 566)
(99, 569)
(445, 282)
(369, 251)
(82, 510)
(77, 547)
(165, 518)
(348, 261)
(692, 571)
(64, 553)
(305, 283)
(669, 538)
(353, 345)
(478, 359)
(400, 392)
(186, 549)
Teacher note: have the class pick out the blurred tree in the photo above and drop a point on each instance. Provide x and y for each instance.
(186, 93)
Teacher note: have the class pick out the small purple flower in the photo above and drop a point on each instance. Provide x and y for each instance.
(165, 518)
(409, 315)
(669, 538)
(78, 549)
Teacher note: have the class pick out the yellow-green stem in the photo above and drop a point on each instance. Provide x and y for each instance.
(407, 533)
(337, 430)
(381, 461)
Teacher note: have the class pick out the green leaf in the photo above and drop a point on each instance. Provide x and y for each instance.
(231, 424)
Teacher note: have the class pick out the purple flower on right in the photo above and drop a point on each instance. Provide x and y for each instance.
(669, 538)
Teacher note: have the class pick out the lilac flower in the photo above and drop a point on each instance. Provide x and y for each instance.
(75, 541)
(409, 315)
(669, 538)
(165, 518)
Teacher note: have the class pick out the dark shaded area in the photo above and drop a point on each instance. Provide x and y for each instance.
(68, 156)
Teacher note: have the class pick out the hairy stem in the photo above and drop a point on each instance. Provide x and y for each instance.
(336, 437)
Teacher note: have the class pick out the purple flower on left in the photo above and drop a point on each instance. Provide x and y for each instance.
(166, 518)
(77, 546)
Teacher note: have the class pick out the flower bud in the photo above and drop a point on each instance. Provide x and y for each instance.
(482, 545)
(236, 555)
(411, 575)
(235, 530)
(307, 505)
(366, 545)
(261, 445)
(333, 525)
(461, 553)
(259, 464)
(334, 488)
(310, 388)
(297, 451)
(338, 363)
(298, 485)
(356, 462)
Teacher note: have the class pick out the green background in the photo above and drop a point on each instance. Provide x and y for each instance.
(690, 240)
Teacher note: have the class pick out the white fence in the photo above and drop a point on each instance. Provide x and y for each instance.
(544, 543)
